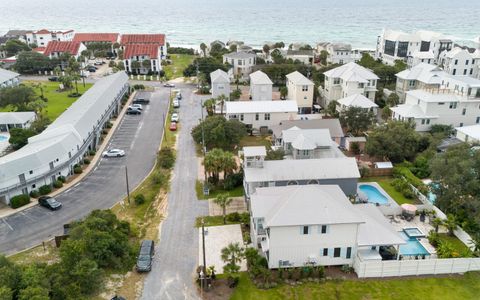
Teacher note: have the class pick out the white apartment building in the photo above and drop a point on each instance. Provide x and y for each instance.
(397, 45)
(260, 87)
(42, 37)
(347, 80)
(220, 83)
(241, 62)
(460, 61)
(300, 89)
(142, 58)
(456, 102)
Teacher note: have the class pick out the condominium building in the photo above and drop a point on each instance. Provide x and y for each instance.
(459, 61)
(42, 37)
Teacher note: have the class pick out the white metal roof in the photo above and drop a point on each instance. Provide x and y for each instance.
(259, 77)
(299, 79)
(472, 131)
(357, 100)
(303, 205)
(245, 107)
(410, 111)
(239, 55)
(423, 72)
(383, 165)
(20, 117)
(352, 72)
(219, 76)
(307, 139)
(254, 151)
(333, 125)
(423, 54)
(6, 75)
(376, 231)
(304, 169)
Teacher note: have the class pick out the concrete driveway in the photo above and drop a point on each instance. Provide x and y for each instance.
(139, 136)
(173, 272)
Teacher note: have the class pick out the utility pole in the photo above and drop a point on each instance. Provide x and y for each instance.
(128, 188)
(203, 247)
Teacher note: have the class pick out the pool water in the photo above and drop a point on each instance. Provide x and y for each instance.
(373, 194)
(3, 138)
(413, 232)
(413, 246)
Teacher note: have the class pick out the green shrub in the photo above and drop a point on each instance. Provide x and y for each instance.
(399, 171)
(408, 193)
(233, 217)
(92, 152)
(433, 238)
(62, 179)
(166, 158)
(77, 169)
(86, 161)
(44, 189)
(160, 177)
(233, 180)
(138, 87)
(245, 218)
(104, 131)
(19, 200)
(34, 194)
(57, 184)
(139, 199)
(109, 124)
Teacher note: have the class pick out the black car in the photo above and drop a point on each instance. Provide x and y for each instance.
(53, 78)
(49, 202)
(133, 111)
(145, 257)
(91, 69)
(141, 101)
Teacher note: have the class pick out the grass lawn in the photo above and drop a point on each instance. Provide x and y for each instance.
(179, 63)
(236, 192)
(256, 140)
(57, 102)
(457, 244)
(453, 287)
(384, 182)
(212, 221)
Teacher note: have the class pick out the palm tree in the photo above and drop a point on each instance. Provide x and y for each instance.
(221, 99)
(451, 224)
(232, 255)
(283, 92)
(266, 50)
(213, 163)
(203, 47)
(223, 201)
(146, 64)
(135, 65)
(228, 163)
(436, 222)
(209, 105)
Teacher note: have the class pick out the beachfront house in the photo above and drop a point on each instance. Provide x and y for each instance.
(300, 89)
(347, 80)
(260, 87)
(303, 56)
(220, 83)
(341, 53)
(241, 63)
(421, 76)
(459, 61)
(8, 78)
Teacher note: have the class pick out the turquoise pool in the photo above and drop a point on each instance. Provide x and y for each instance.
(3, 138)
(413, 247)
(373, 194)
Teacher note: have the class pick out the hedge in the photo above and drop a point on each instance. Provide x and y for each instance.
(402, 171)
(44, 189)
(57, 184)
(19, 200)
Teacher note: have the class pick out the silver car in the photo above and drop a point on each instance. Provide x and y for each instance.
(114, 153)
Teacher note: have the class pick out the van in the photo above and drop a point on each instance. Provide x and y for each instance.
(145, 257)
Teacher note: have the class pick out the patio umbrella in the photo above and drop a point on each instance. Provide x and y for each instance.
(409, 208)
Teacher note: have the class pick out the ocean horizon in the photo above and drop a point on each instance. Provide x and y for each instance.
(188, 23)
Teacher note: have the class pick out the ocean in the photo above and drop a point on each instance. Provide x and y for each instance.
(190, 22)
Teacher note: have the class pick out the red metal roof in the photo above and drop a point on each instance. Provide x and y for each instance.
(96, 37)
(57, 46)
(143, 39)
(141, 49)
(42, 31)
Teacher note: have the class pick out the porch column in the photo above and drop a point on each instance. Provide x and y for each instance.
(397, 247)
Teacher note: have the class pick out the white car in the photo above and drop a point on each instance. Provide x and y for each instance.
(114, 153)
(170, 85)
(137, 106)
(176, 104)
(174, 118)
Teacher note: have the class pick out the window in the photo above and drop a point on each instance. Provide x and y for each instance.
(305, 229)
(441, 103)
(465, 72)
(241, 117)
(336, 80)
(257, 117)
(323, 229)
(34, 186)
(336, 252)
(423, 121)
(402, 49)
(411, 83)
(478, 120)
(304, 88)
(304, 152)
(461, 125)
(425, 46)
(349, 252)
(464, 111)
(456, 62)
(466, 62)
(471, 71)
(267, 117)
(325, 251)
(454, 71)
(428, 121)
(389, 48)
(367, 94)
(453, 105)
(361, 85)
(31, 172)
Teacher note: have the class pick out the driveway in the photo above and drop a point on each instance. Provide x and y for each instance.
(175, 262)
(139, 136)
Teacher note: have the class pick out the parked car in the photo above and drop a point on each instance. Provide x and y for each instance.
(98, 63)
(145, 257)
(117, 297)
(173, 126)
(91, 69)
(136, 106)
(133, 111)
(53, 78)
(176, 103)
(141, 101)
(114, 153)
(49, 202)
(174, 118)
(168, 84)
(179, 96)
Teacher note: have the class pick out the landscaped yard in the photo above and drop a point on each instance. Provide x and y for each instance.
(457, 244)
(179, 63)
(236, 192)
(451, 287)
(384, 182)
(218, 220)
(256, 140)
(57, 102)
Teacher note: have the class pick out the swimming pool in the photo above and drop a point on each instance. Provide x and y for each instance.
(413, 246)
(413, 232)
(3, 138)
(373, 194)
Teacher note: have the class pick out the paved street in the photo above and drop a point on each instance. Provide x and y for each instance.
(172, 275)
(139, 136)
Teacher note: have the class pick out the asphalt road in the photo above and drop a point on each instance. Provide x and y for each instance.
(139, 136)
(176, 253)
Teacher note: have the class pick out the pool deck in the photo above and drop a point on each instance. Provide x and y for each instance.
(392, 207)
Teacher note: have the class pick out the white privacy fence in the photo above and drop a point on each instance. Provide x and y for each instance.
(392, 268)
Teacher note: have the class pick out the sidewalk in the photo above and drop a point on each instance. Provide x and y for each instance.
(6, 211)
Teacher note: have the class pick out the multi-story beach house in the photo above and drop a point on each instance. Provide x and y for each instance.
(339, 53)
(260, 87)
(157, 39)
(460, 61)
(42, 37)
(347, 80)
(421, 76)
(220, 83)
(300, 89)
(241, 63)
(57, 48)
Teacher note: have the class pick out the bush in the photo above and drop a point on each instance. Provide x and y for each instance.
(19, 200)
(74, 95)
(77, 169)
(34, 194)
(433, 238)
(159, 177)
(86, 161)
(139, 199)
(233, 217)
(92, 152)
(399, 171)
(138, 87)
(62, 179)
(408, 193)
(233, 180)
(166, 158)
(109, 125)
(45, 189)
(355, 148)
(57, 184)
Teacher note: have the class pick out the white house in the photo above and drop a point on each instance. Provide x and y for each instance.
(346, 80)
(260, 114)
(420, 57)
(260, 87)
(459, 61)
(241, 62)
(341, 53)
(142, 58)
(468, 134)
(304, 56)
(8, 78)
(300, 89)
(397, 45)
(333, 126)
(56, 150)
(357, 100)
(421, 76)
(42, 37)
(9, 120)
(297, 226)
(456, 103)
(220, 83)
(158, 39)
(57, 48)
